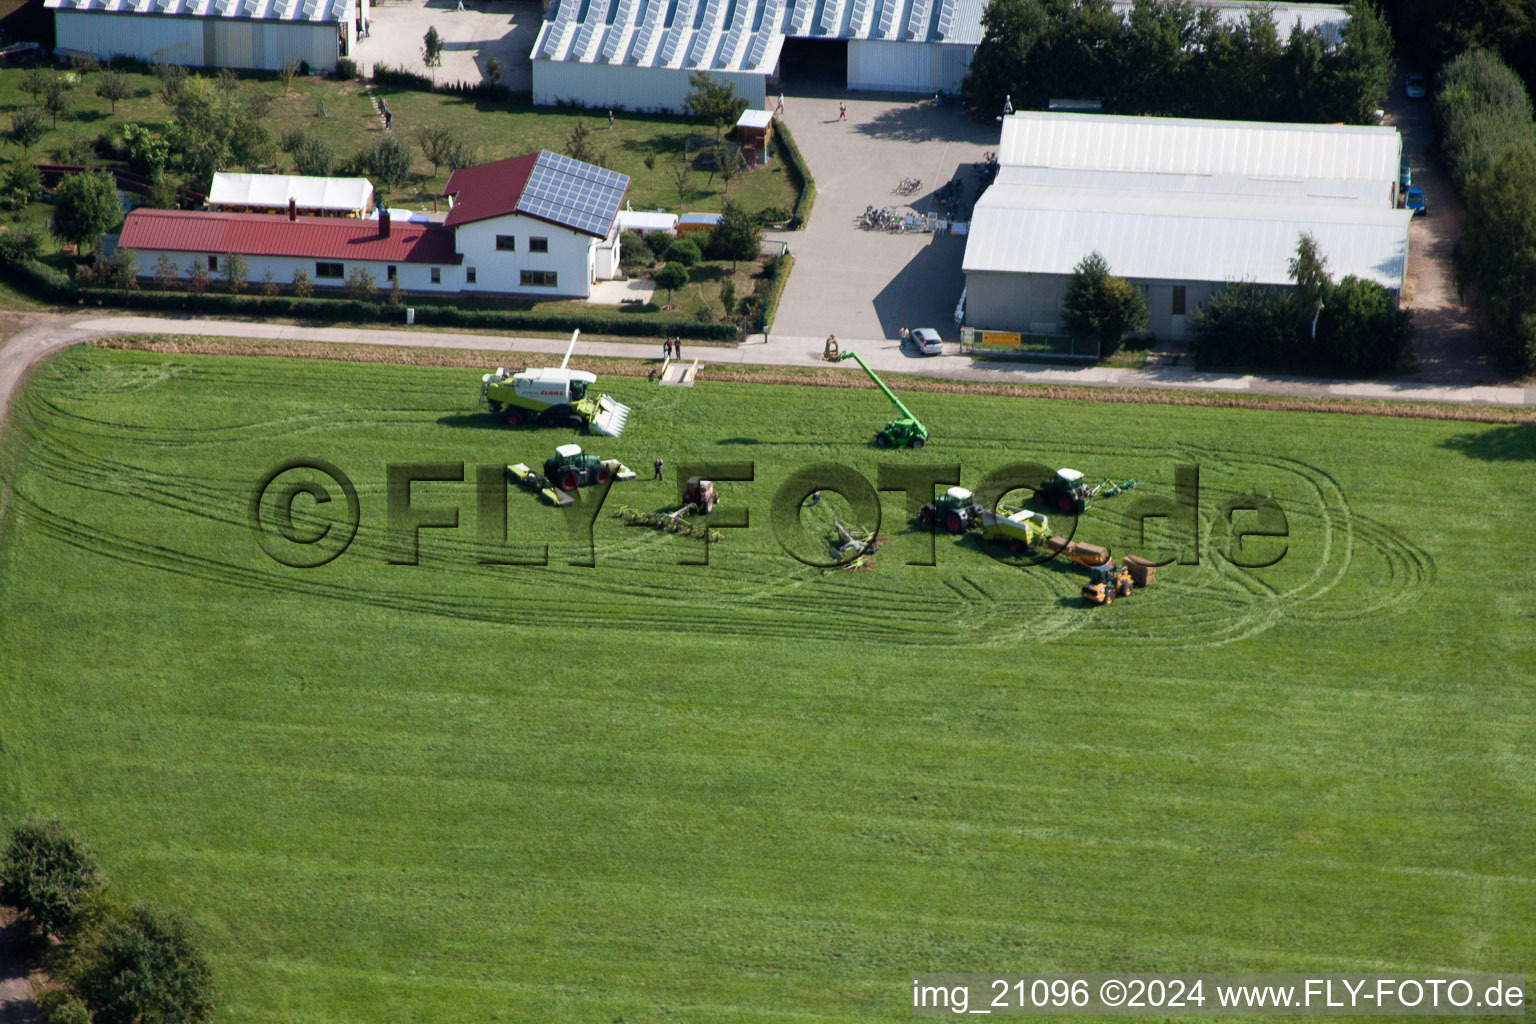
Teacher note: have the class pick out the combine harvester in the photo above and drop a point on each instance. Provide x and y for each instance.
(905, 432)
(552, 395)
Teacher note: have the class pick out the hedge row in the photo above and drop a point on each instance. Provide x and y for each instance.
(46, 282)
(799, 173)
(1487, 128)
(776, 289)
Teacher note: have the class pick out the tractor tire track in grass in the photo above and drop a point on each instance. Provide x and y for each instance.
(78, 447)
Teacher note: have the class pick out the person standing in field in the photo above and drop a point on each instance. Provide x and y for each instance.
(658, 470)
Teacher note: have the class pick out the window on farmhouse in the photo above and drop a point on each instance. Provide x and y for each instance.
(540, 279)
(469, 275)
(329, 270)
(389, 272)
(213, 263)
(538, 245)
(506, 243)
(1178, 300)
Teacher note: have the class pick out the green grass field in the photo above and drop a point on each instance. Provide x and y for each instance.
(757, 790)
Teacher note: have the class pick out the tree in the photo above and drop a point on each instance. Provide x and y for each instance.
(432, 50)
(250, 143)
(1099, 305)
(684, 253)
(166, 273)
(1243, 325)
(235, 272)
(713, 102)
(229, 81)
(1497, 252)
(145, 968)
(494, 72)
(27, 127)
(85, 206)
(172, 78)
(286, 73)
(460, 155)
(360, 285)
(49, 877)
(112, 86)
(435, 142)
(197, 277)
(57, 99)
(23, 184)
(1309, 269)
(301, 285)
(124, 270)
(268, 284)
(578, 144)
(728, 162)
(682, 180)
(670, 277)
(389, 161)
(19, 245)
(314, 157)
(34, 81)
(738, 236)
(162, 193)
(1483, 109)
(1363, 68)
(1012, 30)
(1362, 330)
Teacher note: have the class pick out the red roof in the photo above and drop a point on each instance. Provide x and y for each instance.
(488, 190)
(264, 234)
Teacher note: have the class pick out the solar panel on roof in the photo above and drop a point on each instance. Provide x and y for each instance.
(800, 15)
(918, 19)
(575, 194)
(831, 15)
(946, 17)
(887, 16)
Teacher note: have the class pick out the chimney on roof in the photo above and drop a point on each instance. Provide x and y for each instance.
(293, 208)
(383, 223)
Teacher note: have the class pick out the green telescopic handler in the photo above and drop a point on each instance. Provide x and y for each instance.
(905, 432)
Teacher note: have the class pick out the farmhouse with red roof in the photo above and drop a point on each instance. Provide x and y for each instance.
(537, 225)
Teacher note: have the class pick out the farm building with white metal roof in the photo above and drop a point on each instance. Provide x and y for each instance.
(639, 54)
(1178, 208)
(260, 34)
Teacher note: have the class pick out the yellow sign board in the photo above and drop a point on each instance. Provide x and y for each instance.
(992, 338)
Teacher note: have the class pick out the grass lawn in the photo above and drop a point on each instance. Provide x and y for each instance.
(757, 790)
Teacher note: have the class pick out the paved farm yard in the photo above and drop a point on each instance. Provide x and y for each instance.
(649, 791)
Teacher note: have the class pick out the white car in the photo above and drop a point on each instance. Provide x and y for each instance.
(926, 340)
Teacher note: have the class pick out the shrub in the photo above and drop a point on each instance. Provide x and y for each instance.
(684, 252)
(633, 252)
(799, 174)
(28, 126)
(1483, 109)
(346, 69)
(23, 184)
(773, 215)
(49, 877)
(19, 245)
(301, 285)
(146, 967)
(1243, 325)
(74, 153)
(360, 285)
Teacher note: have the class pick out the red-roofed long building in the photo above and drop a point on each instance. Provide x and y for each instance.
(541, 225)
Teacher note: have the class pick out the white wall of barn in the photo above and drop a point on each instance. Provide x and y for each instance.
(414, 277)
(629, 87)
(200, 41)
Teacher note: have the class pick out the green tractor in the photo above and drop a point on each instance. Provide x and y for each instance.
(1065, 491)
(570, 468)
(552, 395)
(905, 432)
(956, 509)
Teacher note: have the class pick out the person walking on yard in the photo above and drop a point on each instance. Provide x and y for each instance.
(815, 498)
(658, 470)
(610, 120)
(677, 348)
(780, 109)
(842, 111)
(666, 348)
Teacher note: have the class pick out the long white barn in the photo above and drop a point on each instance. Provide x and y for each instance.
(1178, 208)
